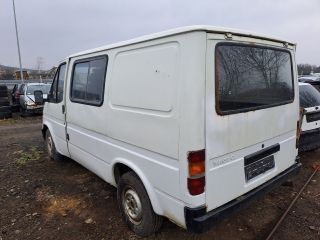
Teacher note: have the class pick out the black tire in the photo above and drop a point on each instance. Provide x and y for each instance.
(3, 88)
(5, 109)
(51, 148)
(5, 115)
(146, 222)
(23, 112)
(3, 94)
(4, 101)
(15, 108)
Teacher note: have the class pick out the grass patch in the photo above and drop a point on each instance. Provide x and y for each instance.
(8, 121)
(22, 157)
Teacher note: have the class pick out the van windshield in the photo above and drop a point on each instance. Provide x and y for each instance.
(309, 96)
(251, 77)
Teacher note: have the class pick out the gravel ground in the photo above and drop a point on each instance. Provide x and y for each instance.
(44, 199)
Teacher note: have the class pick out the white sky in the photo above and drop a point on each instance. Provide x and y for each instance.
(54, 29)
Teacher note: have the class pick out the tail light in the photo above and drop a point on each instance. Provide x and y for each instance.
(196, 166)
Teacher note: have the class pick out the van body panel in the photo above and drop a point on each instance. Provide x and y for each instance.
(57, 129)
(153, 69)
(149, 166)
(229, 138)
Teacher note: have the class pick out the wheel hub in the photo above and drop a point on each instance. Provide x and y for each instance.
(132, 206)
(49, 145)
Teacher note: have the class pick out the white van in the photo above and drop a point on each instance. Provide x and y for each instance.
(188, 124)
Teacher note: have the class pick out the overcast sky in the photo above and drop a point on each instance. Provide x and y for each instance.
(55, 29)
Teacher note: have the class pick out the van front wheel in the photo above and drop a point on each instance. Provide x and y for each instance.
(135, 206)
(51, 148)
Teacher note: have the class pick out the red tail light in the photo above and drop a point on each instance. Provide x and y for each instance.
(196, 179)
(196, 185)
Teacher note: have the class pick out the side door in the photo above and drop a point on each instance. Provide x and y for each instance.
(54, 110)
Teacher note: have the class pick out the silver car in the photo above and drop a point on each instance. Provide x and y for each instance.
(28, 101)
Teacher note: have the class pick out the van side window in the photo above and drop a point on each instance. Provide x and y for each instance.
(56, 91)
(53, 90)
(62, 73)
(88, 81)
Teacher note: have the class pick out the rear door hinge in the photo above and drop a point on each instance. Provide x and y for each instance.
(63, 109)
(67, 136)
(228, 36)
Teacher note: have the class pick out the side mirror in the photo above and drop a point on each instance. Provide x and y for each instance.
(38, 97)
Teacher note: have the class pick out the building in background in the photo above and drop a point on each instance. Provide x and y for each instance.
(17, 75)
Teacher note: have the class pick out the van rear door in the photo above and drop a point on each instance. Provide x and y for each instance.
(251, 116)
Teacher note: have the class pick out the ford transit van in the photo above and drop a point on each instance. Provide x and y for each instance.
(188, 124)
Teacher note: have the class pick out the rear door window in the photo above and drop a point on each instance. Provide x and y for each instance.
(251, 77)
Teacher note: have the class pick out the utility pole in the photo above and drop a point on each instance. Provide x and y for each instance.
(15, 23)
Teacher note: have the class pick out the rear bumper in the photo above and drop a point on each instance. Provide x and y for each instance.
(198, 220)
(309, 140)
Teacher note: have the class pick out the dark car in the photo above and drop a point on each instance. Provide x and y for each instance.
(313, 80)
(16, 92)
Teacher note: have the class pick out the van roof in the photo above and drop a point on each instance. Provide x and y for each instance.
(180, 30)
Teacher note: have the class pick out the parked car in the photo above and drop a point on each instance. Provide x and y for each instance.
(28, 100)
(189, 124)
(311, 79)
(310, 101)
(308, 78)
(5, 108)
(16, 92)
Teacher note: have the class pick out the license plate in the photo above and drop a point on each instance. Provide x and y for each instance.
(258, 167)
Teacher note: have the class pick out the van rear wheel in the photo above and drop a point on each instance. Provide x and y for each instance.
(135, 206)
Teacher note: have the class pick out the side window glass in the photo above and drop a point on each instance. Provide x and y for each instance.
(56, 90)
(88, 81)
(96, 80)
(53, 90)
(62, 72)
(79, 82)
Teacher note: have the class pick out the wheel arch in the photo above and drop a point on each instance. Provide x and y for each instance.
(46, 126)
(121, 166)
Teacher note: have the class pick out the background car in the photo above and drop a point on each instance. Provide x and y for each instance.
(16, 92)
(5, 108)
(310, 128)
(311, 79)
(27, 98)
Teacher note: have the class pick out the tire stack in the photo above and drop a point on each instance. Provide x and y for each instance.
(5, 108)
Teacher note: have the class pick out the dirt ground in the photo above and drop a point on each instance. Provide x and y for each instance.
(44, 199)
